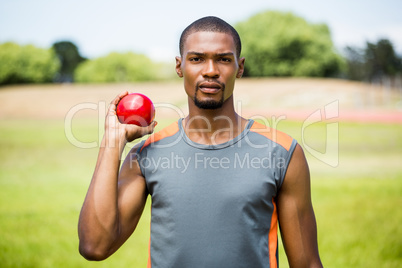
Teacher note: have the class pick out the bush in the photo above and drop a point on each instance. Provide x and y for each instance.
(282, 44)
(26, 64)
(117, 67)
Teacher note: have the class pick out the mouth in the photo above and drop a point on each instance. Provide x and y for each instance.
(210, 87)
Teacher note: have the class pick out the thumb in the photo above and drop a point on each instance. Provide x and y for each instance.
(136, 132)
(149, 129)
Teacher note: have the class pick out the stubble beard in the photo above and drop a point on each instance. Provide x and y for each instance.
(209, 104)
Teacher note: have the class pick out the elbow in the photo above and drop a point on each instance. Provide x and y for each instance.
(92, 253)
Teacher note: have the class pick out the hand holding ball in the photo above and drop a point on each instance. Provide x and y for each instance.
(136, 109)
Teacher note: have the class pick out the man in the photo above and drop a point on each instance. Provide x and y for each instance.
(219, 182)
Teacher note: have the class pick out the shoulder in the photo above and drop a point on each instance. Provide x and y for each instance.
(166, 132)
(298, 174)
(274, 135)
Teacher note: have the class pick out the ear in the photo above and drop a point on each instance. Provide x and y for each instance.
(240, 71)
(178, 67)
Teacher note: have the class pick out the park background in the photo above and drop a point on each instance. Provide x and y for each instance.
(348, 118)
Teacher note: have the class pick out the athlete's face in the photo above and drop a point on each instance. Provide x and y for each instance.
(209, 66)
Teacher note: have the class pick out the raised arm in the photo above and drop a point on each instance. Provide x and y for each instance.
(296, 215)
(115, 199)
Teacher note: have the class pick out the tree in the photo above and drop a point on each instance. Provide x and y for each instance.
(282, 44)
(26, 64)
(374, 62)
(381, 60)
(69, 57)
(356, 65)
(117, 67)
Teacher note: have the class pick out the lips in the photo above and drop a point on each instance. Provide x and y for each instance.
(210, 87)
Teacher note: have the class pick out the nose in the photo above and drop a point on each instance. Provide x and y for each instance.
(210, 70)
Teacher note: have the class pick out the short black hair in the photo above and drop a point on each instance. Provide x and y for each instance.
(211, 24)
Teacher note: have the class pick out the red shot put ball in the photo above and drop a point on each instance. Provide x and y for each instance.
(135, 109)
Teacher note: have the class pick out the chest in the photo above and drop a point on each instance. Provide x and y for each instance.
(227, 176)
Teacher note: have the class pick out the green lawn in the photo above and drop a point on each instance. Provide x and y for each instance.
(44, 178)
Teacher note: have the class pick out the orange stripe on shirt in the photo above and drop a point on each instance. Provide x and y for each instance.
(276, 136)
(273, 238)
(166, 132)
(149, 265)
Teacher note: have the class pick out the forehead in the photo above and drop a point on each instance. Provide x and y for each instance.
(214, 42)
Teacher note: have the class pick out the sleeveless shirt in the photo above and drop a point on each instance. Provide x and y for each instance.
(214, 205)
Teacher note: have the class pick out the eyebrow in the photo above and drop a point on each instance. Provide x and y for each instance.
(217, 54)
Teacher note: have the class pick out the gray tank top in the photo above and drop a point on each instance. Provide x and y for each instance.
(214, 205)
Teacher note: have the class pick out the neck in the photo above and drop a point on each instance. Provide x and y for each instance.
(213, 126)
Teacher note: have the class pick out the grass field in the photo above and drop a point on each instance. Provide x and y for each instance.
(44, 178)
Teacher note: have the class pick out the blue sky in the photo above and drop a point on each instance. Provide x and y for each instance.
(153, 27)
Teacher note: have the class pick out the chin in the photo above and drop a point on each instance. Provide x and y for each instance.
(208, 104)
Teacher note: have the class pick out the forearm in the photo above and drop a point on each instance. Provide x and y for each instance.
(307, 255)
(309, 235)
(99, 219)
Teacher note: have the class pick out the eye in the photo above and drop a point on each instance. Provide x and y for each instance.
(195, 59)
(224, 59)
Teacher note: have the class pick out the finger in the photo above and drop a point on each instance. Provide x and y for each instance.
(149, 129)
(152, 126)
(122, 94)
(135, 132)
(116, 100)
